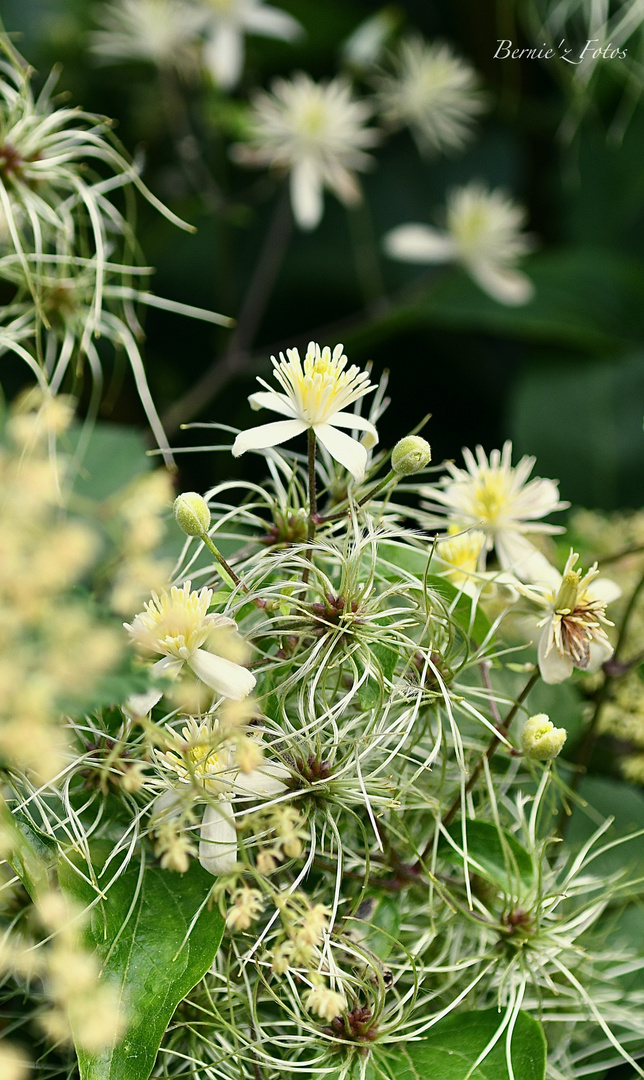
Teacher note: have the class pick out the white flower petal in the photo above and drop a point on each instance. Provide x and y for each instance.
(419, 244)
(344, 449)
(223, 55)
(268, 781)
(517, 554)
(359, 423)
(598, 653)
(605, 590)
(306, 194)
(223, 676)
(141, 704)
(509, 287)
(167, 804)
(218, 843)
(554, 667)
(271, 22)
(258, 438)
(268, 399)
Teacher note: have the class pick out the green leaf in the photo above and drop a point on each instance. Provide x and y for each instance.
(392, 558)
(386, 659)
(499, 858)
(467, 614)
(454, 1044)
(380, 925)
(553, 407)
(585, 298)
(114, 455)
(33, 854)
(138, 931)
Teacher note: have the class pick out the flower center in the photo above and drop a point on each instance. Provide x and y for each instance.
(204, 762)
(313, 119)
(320, 386)
(566, 598)
(490, 497)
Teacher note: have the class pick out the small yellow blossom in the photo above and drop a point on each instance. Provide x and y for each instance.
(247, 904)
(325, 1002)
(461, 556)
(14, 1065)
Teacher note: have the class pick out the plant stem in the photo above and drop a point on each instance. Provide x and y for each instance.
(391, 475)
(227, 572)
(313, 498)
(502, 730)
(237, 357)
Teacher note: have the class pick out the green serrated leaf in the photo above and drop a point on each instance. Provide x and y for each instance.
(497, 856)
(138, 931)
(454, 1044)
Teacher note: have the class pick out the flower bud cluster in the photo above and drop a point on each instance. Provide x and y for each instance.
(247, 905)
(284, 826)
(53, 648)
(304, 925)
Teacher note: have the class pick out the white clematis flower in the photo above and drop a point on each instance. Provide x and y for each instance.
(434, 92)
(315, 131)
(177, 625)
(499, 500)
(315, 396)
(572, 634)
(483, 234)
(207, 760)
(227, 23)
(161, 32)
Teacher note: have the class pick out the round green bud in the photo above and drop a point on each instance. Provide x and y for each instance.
(410, 455)
(540, 739)
(191, 513)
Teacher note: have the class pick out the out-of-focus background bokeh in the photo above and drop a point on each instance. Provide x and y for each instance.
(563, 375)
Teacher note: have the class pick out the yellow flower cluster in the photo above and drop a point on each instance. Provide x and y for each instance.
(139, 511)
(83, 1007)
(52, 648)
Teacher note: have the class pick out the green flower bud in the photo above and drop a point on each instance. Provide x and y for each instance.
(410, 455)
(540, 739)
(191, 513)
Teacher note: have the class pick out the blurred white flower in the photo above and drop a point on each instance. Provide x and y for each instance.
(573, 634)
(227, 23)
(315, 395)
(499, 500)
(483, 234)
(207, 759)
(161, 32)
(317, 132)
(433, 92)
(177, 624)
